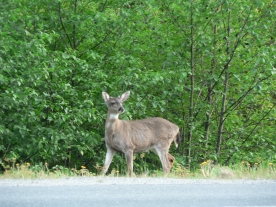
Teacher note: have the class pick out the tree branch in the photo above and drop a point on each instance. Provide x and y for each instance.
(249, 135)
(63, 27)
(103, 7)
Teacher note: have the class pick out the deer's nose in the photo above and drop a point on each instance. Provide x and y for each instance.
(121, 109)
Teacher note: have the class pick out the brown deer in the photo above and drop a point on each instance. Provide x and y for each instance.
(154, 134)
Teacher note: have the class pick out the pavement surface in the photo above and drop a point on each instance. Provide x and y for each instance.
(153, 192)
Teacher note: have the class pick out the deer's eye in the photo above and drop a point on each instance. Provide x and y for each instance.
(112, 103)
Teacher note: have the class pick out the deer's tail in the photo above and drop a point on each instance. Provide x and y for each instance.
(177, 139)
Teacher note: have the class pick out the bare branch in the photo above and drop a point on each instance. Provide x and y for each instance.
(63, 27)
(104, 5)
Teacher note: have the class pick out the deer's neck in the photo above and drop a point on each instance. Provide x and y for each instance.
(111, 120)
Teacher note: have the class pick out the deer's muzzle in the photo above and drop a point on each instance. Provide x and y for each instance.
(121, 109)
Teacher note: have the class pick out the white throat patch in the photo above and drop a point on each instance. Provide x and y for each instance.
(113, 116)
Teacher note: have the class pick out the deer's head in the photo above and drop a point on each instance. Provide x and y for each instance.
(115, 105)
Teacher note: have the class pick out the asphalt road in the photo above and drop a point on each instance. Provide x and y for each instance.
(136, 192)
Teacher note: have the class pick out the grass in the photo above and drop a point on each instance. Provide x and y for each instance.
(207, 170)
(28, 171)
(243, 170)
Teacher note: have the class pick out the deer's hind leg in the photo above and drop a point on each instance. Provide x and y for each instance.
(165, 158)
(171, 159)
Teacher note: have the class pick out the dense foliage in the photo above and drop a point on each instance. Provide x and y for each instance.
(208, 66)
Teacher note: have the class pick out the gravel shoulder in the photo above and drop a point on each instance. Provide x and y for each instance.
(99, 180)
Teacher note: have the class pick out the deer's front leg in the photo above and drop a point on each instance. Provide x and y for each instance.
(108, 158)
(129, 160)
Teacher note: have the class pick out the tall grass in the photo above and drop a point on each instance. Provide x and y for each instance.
(243, 170)
(28, 171)
(207, 170)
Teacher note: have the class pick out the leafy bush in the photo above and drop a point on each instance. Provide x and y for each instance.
(209, 67)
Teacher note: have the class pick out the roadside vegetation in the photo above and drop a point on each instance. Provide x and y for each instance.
(207, 66)
(206, 170)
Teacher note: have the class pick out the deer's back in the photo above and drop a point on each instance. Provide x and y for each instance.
(155, 123)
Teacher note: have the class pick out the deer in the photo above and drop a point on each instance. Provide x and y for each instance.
(134, 136)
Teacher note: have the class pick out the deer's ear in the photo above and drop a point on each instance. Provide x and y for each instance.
(124, 96)
(105, 96)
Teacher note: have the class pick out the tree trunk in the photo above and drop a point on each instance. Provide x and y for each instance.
(224, 95)
(210, 93)
(191, 108)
